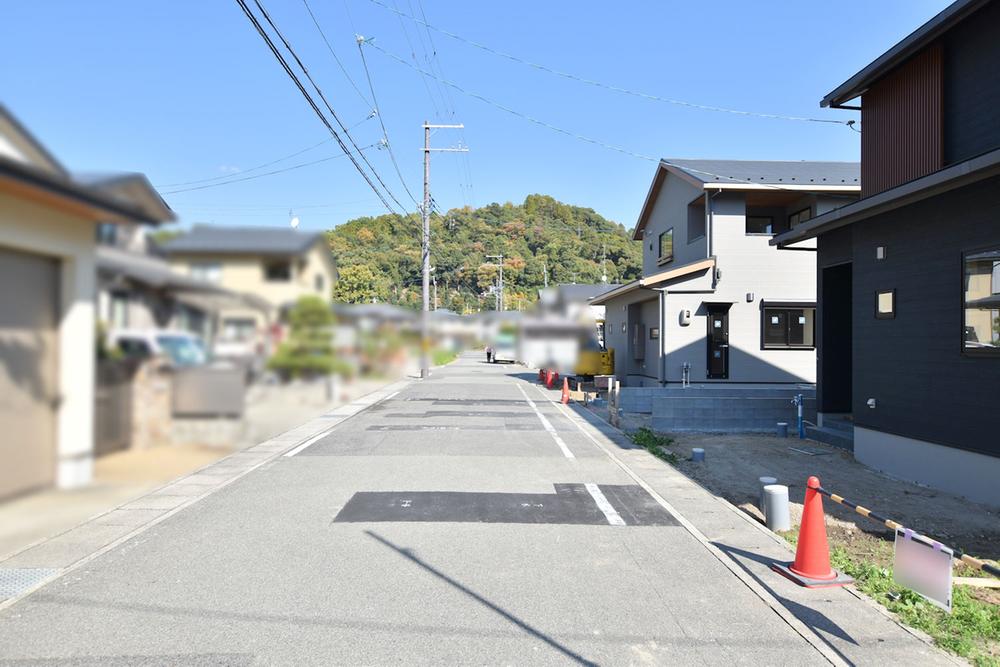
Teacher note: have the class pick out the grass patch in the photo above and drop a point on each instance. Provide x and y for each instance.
(656, 444)
(972, 630)
(441, 356)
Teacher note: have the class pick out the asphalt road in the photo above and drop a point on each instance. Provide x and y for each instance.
(464, 520)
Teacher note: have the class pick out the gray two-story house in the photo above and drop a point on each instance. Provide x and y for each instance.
(908, 326)
(716, 303)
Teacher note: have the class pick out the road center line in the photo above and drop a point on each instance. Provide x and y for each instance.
(548, 426)
(614, 518)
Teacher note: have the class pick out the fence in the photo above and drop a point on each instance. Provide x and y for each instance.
(113, 406)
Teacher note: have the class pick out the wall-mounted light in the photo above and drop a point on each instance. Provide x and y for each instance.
(870, 403)
(684, 318)
(880, 252)
(749, 297)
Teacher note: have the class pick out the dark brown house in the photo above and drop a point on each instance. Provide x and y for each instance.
(908, 325)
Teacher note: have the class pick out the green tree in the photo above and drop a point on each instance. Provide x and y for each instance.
(309, 349)
(359, 284)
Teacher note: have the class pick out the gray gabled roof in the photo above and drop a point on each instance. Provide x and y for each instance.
(214, 240)
(902, 51)
(770, 172)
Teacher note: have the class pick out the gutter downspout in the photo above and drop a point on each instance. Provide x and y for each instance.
(663, 337)
(709, 236)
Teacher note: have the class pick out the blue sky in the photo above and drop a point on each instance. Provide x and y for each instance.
(186, 90)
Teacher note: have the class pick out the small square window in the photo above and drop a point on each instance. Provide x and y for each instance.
(654, 333)
(885, 304)
(278, 271)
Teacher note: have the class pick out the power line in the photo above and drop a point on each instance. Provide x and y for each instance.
(606, 86)
(326, 103)
(464, 168)
(267, 173)
(513, 112)
(385, 132)
(334, 53)
(284, 64)
(244, 171)
(568, 133)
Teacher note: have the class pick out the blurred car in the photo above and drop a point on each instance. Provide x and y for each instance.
(180, 348)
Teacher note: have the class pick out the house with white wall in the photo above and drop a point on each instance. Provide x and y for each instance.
(716, 304)
(48, 223)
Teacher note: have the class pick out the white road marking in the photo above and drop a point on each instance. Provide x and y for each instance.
(614, 518)
(319, 436)
(548, 426)
(812, 638)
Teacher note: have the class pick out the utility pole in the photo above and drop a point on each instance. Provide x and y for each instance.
(500, 304)
(604, 259)
(434, 279)
(545, 273)
(425, 211)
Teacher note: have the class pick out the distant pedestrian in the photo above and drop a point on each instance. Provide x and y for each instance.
(489, 354)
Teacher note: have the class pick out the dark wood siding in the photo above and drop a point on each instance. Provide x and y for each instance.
(901, 128)
(972, 86)
(913, 365)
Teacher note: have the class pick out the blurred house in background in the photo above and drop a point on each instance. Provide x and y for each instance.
(48, 256)
(275, 264)
(571, 302)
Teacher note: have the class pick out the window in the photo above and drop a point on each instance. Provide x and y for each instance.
(789, 326)
(208, 271)
(278, 271)
(654, 333)
(319, 282)
(797, 218)
(666, 246)
(981, 302)
(107, 233)
(885, 304)
(118, 317)
(758, 224)
(238, 329)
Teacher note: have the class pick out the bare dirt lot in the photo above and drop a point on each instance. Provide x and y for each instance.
(734, 462)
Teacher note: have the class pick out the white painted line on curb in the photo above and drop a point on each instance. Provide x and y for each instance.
(548, 426)
(793, 621)
(319, 436)
(614, 518)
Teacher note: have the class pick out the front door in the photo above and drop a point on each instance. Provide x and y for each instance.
(718, 342)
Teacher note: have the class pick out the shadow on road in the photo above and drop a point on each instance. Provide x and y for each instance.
(407, 554)
(814, 619)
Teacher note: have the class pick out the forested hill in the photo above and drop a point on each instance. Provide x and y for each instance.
(379, 258)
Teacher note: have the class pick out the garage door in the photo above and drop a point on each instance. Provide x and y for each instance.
(28, 363)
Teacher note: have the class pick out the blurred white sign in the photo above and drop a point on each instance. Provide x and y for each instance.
(924, 567)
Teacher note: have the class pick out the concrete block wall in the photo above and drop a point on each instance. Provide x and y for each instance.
(729, 411)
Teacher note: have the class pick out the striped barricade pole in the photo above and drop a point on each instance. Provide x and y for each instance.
(960, 556)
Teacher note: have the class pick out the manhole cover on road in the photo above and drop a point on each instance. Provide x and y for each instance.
(16, 580)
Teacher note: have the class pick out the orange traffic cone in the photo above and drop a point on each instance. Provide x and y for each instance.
(565, 391)
(548, 379)
(812, 555)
